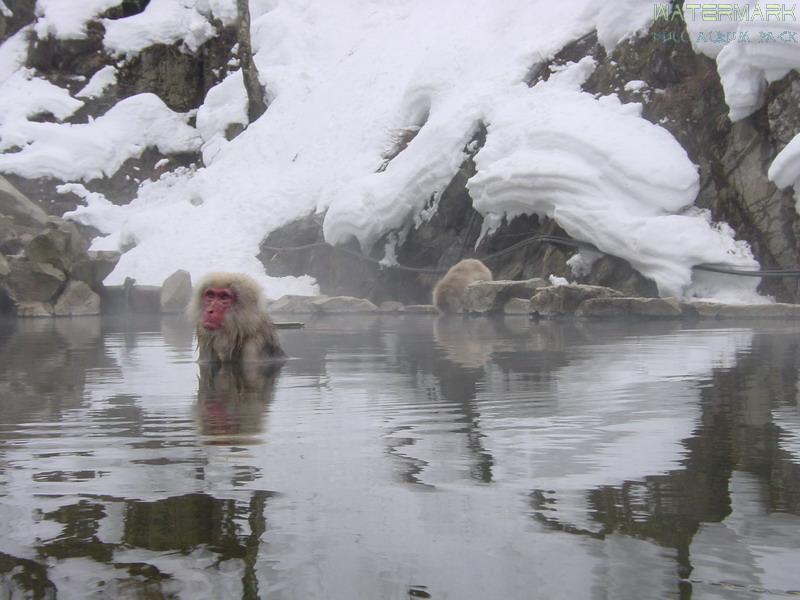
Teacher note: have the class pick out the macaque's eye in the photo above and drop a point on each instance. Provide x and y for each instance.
(209, 295)
(225, 296)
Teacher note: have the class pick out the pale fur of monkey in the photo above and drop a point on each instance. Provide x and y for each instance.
(449, 294)
(247, 333)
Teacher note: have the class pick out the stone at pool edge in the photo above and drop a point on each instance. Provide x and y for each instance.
(77, 299)
(421, 309)
(556, 301)
(343, 305)
(486, 297)
(671, 308)
(653, 308)
(293, 303)
(391, 306)
(713, 310)
(517, 306)
(34, 309)
(176, 292)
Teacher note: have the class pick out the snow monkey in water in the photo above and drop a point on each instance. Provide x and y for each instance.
(449, 294)
(232, 322)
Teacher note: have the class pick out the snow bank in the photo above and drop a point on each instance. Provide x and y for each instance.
(13, 52)
(618, 20)
(447, 89)
(159, 221)
(162, 22)
(342, 80)
(96, 149)
(23, 95)
(67, 19)
(99, 82)
(606, 176)
(224, 105)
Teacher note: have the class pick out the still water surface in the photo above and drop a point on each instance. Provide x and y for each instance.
(401, 457)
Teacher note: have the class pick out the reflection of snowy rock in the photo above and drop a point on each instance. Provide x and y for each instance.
(752, 546)
(787, 419)
(622, 411)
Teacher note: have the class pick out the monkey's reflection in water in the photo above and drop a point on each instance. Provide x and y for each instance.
(466, 342)
(233, 399)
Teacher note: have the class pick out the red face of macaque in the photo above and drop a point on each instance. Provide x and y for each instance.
(216, 302)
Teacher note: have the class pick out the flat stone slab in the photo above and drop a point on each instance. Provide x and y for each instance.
(343, 305)
(556, 301)
(421, 309)
(653, 308)
(391, 306)
(289, 325)
(517, 306)
(294, 304)
(713, 310)
(491, 296)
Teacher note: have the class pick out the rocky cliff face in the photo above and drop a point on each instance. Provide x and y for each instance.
(684, 96)
(179, 77)
(680, 91)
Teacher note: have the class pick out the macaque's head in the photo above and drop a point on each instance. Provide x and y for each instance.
(226, 300)
(216, 302)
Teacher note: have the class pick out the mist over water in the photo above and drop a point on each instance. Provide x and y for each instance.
(401, 457)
